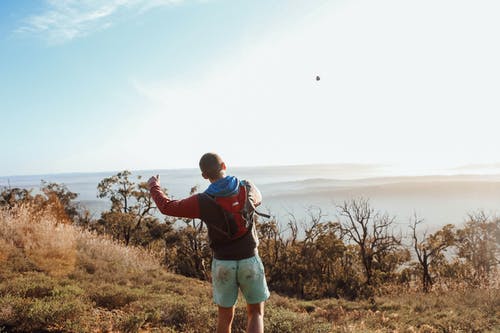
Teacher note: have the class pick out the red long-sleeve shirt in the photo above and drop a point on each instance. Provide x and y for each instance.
(189, 207)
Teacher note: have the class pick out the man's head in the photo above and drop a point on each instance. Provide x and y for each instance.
(212, 167)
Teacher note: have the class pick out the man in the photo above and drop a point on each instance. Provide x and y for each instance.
(236, 263)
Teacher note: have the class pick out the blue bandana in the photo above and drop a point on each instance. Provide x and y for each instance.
(224, 187)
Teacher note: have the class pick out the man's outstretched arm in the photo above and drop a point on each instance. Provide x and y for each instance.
(188, 207)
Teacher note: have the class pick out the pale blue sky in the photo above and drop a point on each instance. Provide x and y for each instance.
(152, 84)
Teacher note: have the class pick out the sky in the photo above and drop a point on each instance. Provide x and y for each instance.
(103, 85)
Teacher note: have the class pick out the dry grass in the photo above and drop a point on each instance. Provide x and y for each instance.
(46, 242)
(60, 249)
(101, 255)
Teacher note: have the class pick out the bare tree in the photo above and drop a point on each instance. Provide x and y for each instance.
(370, 231)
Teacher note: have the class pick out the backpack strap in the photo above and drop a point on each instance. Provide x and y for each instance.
(262, 214)
(225, 233)
(247, 187)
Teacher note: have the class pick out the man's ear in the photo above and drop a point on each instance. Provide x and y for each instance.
(223, 166)
(204, 175)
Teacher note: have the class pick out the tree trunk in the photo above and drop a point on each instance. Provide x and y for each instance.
(426, 278)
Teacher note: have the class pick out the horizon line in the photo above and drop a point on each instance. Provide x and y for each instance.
(449, 171)
(190, 168)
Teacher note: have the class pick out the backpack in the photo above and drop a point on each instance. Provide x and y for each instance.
(238, 212)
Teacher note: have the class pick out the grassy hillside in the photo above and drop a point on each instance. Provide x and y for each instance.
(55, 277)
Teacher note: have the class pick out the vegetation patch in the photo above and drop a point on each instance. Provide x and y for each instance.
(90, 281)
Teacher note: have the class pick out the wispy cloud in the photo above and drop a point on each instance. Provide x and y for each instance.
(65, 20)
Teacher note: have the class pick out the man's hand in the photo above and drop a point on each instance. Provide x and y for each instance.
(155, 180)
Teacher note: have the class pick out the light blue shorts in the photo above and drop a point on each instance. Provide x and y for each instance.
(247, 275)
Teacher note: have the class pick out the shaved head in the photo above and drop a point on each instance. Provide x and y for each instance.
(212, 166)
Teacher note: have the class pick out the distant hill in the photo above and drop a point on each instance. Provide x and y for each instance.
(438, 199)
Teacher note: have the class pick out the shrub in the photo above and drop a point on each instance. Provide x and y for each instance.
(32, 285)
(282, 320)
(178, 315)
(132, 322)
(112, 297)
(63, 312)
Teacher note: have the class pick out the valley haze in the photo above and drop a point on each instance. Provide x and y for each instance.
(439, 199)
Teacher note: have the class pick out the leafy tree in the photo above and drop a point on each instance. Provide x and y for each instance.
(478, 243)
(131, 205)
(53, 195)
(9, 197)
(430, 249)
(131, 219)
(61, 193)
